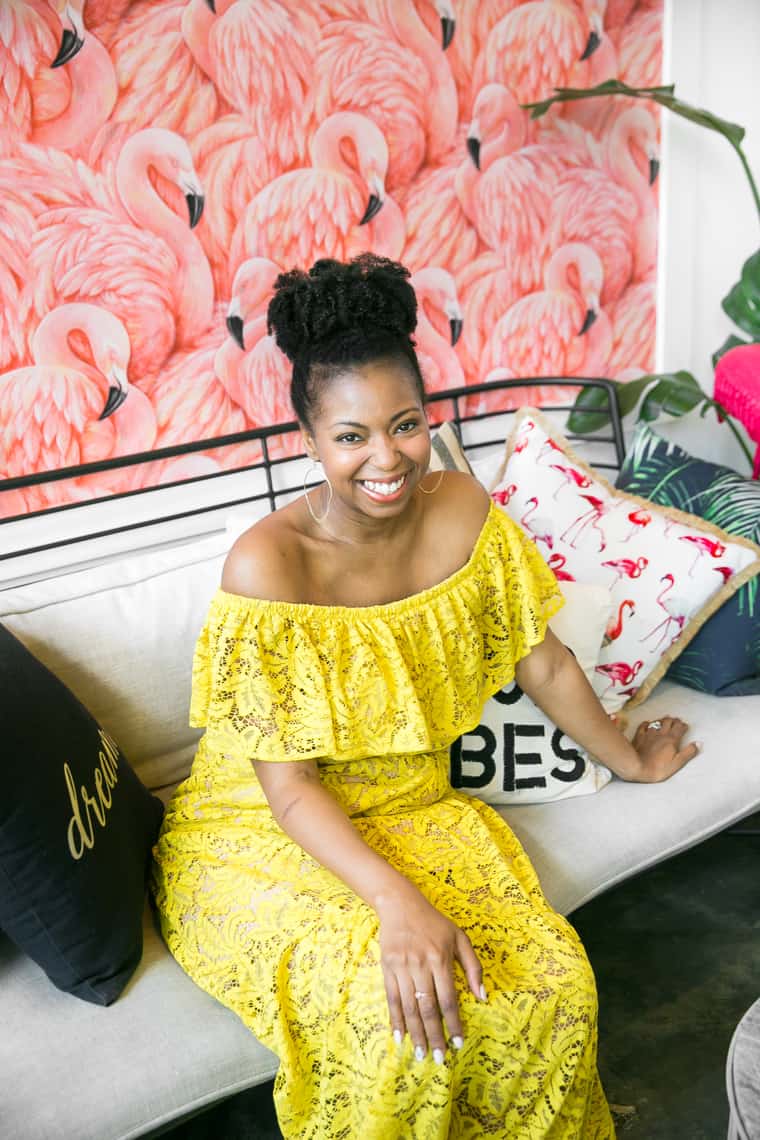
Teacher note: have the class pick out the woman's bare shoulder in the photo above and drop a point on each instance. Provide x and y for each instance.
(458, 510)
(266, 561)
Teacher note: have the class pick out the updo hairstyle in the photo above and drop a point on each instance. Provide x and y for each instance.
(339, 316)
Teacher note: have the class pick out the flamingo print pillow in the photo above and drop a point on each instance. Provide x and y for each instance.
(667, 571)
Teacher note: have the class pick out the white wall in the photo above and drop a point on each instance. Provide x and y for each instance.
(708, 221)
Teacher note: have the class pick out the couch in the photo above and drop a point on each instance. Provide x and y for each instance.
(121, 636)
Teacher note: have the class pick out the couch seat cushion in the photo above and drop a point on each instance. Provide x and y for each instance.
(163, 1050)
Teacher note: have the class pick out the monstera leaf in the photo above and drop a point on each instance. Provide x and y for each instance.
(742, 304)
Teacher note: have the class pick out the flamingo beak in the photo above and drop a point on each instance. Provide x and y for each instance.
(234, 324)
(72, 39)
(195, 204)
(473, 149)
(117, 391)
(448, 27)
(654, 170)
(455, 325)
(212, 5)
(592, 43)
(588, 322)
(374, 206)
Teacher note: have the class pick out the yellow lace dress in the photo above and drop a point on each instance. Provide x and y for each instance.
(376, 695)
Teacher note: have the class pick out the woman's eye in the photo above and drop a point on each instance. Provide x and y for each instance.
(349, 437)
(407, 426)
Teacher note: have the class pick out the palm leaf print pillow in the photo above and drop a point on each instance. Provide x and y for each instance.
(724, 656)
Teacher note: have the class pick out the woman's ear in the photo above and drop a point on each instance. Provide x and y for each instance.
(309, 445)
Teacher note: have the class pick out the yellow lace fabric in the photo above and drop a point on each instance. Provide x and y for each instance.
(375, 696)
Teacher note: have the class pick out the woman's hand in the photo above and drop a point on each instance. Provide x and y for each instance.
(658, 744)
(419, 946)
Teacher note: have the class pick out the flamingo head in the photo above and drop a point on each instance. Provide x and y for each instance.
(437, 294)
(447, 15)
(165, 154)
(636, 132)
(498, 126)
(596, 29)
(72, 34)
(252, 288)
(665, 577)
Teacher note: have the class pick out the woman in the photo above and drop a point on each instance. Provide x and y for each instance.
(383, 934)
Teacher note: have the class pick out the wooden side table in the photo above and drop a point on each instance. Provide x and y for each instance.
(743, 1077)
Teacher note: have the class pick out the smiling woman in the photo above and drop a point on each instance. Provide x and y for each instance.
(384, 934)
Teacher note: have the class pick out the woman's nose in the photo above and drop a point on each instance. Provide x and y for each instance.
(385, 455)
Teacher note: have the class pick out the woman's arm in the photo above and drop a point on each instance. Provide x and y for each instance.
(418, 944)
(552, 678)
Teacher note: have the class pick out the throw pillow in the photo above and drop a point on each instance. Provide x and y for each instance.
(724, 656)
(516, 755)
(76, 831)
(668, 571)
(446, 453)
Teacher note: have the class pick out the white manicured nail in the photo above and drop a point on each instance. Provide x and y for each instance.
(698, 745)
(397, 1037)
(483, 994)
(457, 1042)
(419, 1053)
(438, 1056)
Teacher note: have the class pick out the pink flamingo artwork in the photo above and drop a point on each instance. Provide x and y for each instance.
(380, 68)
(575, 332)
(676, 611)
(158, 160)
(253, 370)
(556, 563)
(438, 214)
(541, 529)
(571, 478)
(163, 290)
(639, 519)
(439, 326)
(627, 567)
(590, 518)
(75, 95)
(168, 89)
(263, 58)
(504, 494)
(611, 209)
(287, 221)
(704, 546)
(615, 625)
(725, 572)
(32, 39)
(536, 47)
(63, 410)
(618, 673)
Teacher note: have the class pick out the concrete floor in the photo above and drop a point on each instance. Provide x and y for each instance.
(677, 958)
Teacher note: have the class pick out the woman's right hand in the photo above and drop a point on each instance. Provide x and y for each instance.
(419, 946)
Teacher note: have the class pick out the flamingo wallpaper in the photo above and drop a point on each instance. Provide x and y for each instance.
(162, 160)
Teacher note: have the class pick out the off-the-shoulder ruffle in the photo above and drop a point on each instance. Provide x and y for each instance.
(291, 681)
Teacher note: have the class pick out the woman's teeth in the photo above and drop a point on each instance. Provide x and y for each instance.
(385, 488)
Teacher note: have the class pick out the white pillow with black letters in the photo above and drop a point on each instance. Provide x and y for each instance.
(516, 755)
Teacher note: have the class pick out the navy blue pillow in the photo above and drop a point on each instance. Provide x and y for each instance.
(76, 831)
(724, 657)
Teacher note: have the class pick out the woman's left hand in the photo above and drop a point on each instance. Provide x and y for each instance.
(658, 744)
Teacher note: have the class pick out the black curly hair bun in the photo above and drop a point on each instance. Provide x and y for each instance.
(368, 293)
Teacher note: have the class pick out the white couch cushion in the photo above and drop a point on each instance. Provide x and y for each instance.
(121, 635)
(162, 1051)
(581, 847)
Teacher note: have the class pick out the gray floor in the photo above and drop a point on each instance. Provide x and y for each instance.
(677, 958)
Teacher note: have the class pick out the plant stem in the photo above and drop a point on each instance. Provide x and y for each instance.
(719, 409)
(748, 172)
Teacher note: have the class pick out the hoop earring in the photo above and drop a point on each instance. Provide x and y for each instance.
(440, 480)
(317, 518)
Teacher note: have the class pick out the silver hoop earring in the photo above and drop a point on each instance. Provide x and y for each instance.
(317, 518)
(440, 480)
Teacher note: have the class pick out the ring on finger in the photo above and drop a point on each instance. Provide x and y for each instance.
(655, 724)
(420, 994)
